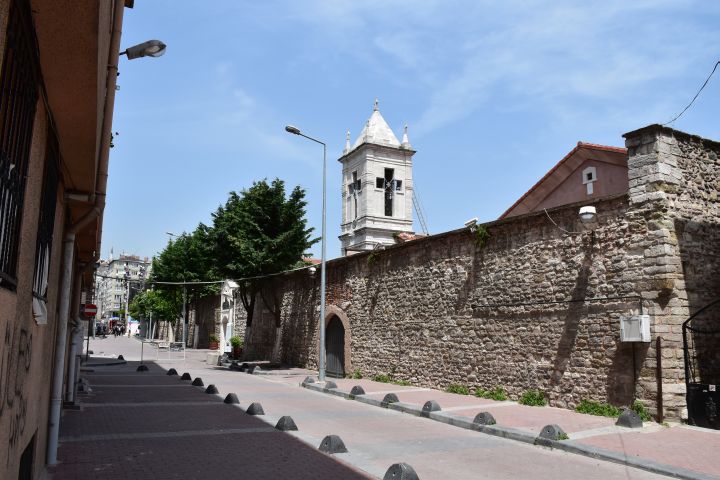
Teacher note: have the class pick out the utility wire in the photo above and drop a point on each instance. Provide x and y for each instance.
(156, 282)
(695, 97)
(558, 226)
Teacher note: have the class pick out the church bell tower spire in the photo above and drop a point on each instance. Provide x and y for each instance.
(377, 186)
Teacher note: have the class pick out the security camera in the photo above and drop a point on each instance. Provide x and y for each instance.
(588, 214)
(471, 223)
(312, 270)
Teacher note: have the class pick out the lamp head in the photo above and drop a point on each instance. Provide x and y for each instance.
(151, 48)
(312, 270)
(588, 214)
(292, 129)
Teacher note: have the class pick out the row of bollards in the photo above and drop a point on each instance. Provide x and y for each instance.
(549, 433)
(331, 444)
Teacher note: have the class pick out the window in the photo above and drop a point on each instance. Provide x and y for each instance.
(18, 98)
(389, 180)
(589, 176)
(356, 185)
(379, 182)
(46, 221)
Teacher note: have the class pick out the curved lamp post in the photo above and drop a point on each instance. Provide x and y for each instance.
(321, 359)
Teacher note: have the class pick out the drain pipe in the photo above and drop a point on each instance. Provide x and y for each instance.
(98, 196)
(658, 373)
(68, 258)
(72, 357)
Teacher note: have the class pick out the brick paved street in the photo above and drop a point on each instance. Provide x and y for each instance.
(152, 426)
(149, 425)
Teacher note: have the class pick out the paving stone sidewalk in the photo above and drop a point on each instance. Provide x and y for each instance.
(152, 426)
(680, 450)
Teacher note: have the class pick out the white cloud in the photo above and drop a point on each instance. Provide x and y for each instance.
(460, 55)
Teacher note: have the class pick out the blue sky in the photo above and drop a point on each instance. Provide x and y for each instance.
(494, 93)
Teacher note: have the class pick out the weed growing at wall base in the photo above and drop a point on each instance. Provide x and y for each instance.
(533, 398)
(498, 394)
(382, 378)
(357, 374)
(595, 408)
(639, 408)
(457, 388)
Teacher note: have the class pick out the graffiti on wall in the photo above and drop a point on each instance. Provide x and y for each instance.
(14, 368)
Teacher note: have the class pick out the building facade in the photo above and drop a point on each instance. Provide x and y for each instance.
(112, 279)
(377, 187)
(58, 67)
(588, 172)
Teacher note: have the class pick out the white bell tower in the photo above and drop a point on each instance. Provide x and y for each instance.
(377, 187)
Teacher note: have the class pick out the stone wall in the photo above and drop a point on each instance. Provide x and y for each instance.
(535, 306)
(675, 177)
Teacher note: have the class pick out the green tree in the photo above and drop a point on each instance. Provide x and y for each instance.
(188, 258)
(153, 303)
(259, 232)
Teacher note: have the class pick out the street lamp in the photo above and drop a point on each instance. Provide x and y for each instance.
(321, 360)
(151, 48)
(185, 322)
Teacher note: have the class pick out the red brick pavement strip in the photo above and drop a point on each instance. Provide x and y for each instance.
(146, 394)
(692, 448)
(254, 455)
(149, 419)
(162, 432)
(132, 379)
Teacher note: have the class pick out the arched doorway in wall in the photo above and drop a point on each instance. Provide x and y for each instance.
(335, 348)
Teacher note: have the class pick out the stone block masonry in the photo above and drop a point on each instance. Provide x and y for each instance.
(533, 306)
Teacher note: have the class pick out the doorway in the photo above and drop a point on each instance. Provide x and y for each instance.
(335, 348)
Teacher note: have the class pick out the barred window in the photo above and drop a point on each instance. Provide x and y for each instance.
(18, 98)
(46, 222)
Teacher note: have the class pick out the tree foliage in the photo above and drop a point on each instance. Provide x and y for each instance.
(257, 232)
(153, 303)
(260, 231)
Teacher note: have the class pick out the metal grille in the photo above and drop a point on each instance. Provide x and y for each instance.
(701, 342)
(18, 99)
(46, 222)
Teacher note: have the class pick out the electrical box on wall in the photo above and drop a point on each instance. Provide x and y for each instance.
(635, 328)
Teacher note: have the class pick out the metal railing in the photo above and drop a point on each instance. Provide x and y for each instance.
(701, 345)
(46, 220)
(18, 99)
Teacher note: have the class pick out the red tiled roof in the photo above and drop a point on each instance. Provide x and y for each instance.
(403, 237)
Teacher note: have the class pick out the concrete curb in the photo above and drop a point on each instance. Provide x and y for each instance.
(370, 401)
(108, 363)
(525, 437)
(410, 408)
